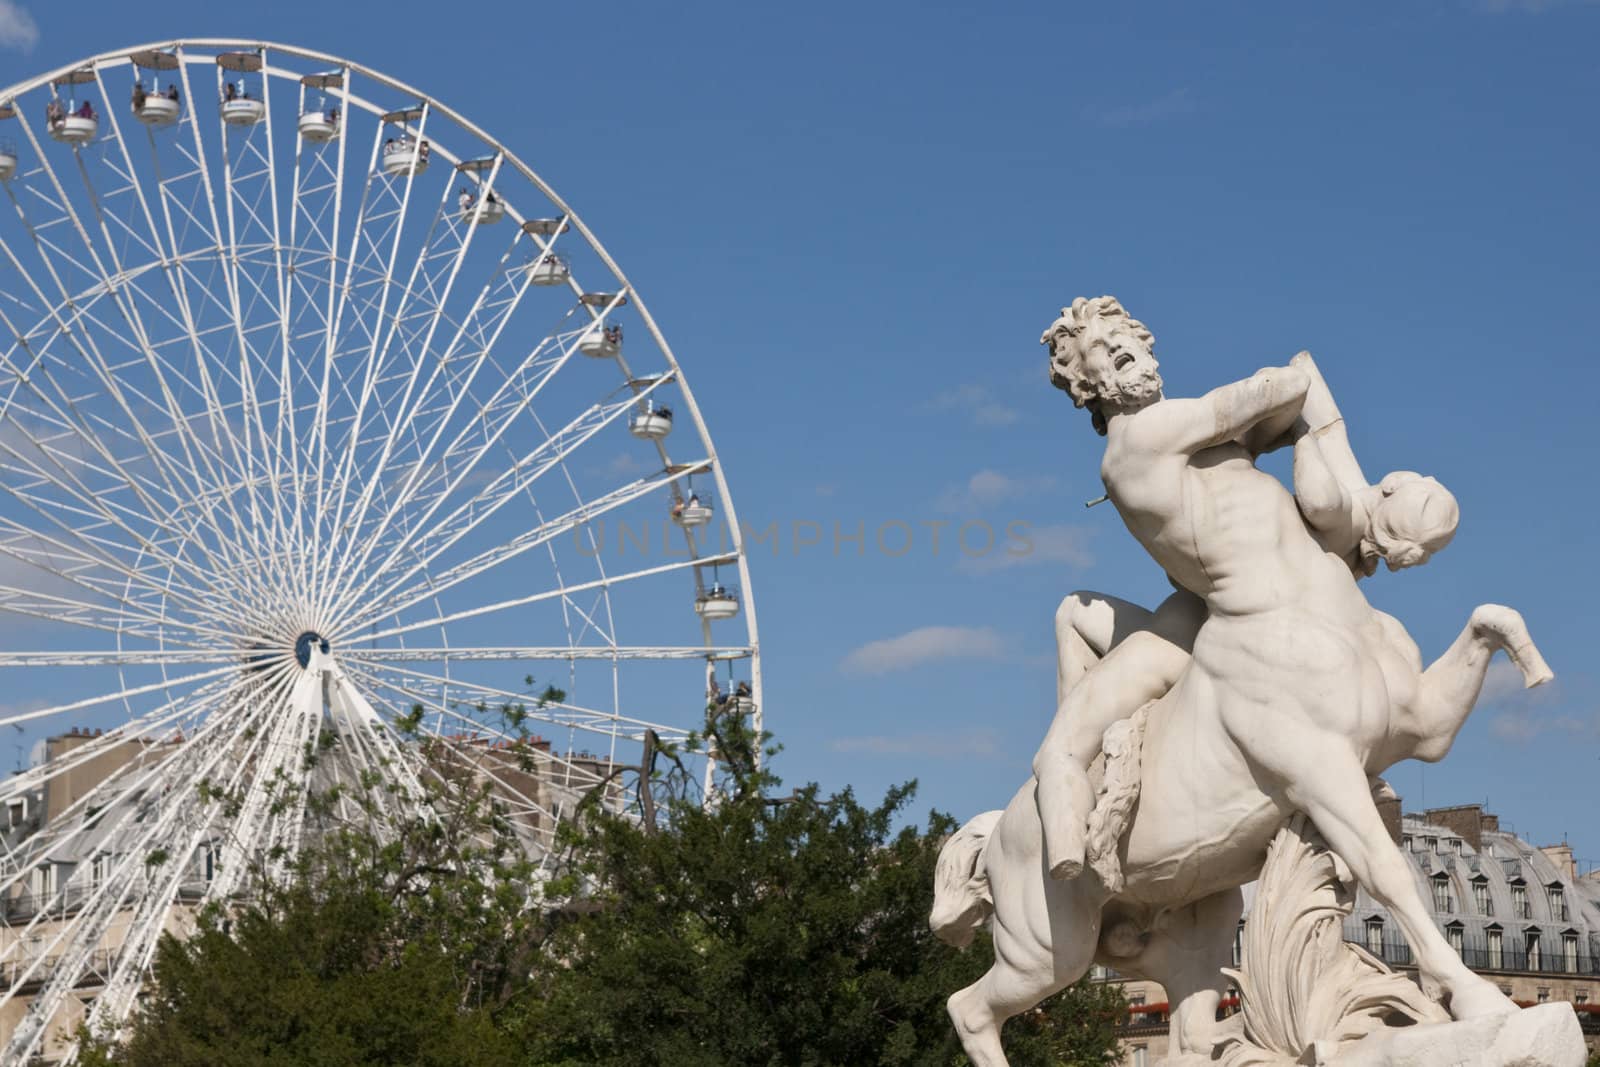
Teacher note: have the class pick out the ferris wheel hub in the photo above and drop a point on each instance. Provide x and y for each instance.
(305, 644)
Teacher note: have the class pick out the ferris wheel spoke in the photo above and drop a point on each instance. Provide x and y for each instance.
(552, 768)
(501, 489)
(514, 653)
(397, 589)
(554, 712)
(416, 482)
(549, 594)
(375, 247)
(128, 876)
(98, 277)
(184, 825)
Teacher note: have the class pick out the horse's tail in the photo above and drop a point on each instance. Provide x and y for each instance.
(961, 898)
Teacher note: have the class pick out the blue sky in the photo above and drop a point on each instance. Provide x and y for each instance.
(852, 222)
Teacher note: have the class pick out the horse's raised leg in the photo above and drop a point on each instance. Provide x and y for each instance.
(1450, 687)
(1330, 785)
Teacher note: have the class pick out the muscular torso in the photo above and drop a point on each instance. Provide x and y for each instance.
(1221, 528)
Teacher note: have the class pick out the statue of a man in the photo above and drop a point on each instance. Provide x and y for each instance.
(1402, 521)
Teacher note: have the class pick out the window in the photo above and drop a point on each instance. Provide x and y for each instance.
(1405, 842)
(1138, 1059)
(1496, 950)
(1480, 896)
(1441, 893)
(1453, 933)
(1238, 946)
(1458, 846)
(1519, 901)
(1569, 953)
(44, 880)
(1433, 844)
(1375, 937)
(99, 867)
(1136, 1001)
(1534, 956)
(1580, 997)
(1544, 995)
(208, 861)
(1558, 902)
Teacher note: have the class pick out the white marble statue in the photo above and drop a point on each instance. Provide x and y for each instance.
(1266, 686)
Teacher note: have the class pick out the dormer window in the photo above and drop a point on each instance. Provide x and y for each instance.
(1519, 901)
(1442, 901)
(1557, 896)
(1480, 896)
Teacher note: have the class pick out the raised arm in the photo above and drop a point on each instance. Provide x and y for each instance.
(1326, 424)
(1265, 403)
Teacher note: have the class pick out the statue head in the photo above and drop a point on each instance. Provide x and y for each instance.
(1414, 518)
(1103, 358)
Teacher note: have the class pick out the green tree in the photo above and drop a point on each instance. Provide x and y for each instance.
(758, 930)
(752, 930)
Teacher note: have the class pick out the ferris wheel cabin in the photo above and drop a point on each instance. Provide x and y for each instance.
(717, 601)
(239, 108)
(321, 123)
(405, 154)
(479, 208)
(156, 105)
(8, 148)
(652, 423)
(601, 341)
(690, 512)
(73, 122)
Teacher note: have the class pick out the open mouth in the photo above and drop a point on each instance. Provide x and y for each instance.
(1123, 362)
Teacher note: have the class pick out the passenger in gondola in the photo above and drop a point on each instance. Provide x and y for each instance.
(489, 197)
(54, 113)
(138, 97)
(694, 499)
(465, 199)
(742, 690)
(172, 91)
(665, 413)
(333, 116)
(677, 508)
(614, 334)
(423, 148)
(86, 111)
(230, 91)
(715, 694)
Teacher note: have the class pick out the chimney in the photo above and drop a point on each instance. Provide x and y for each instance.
(1464, 819)
(1561, 856)
(1490, 823)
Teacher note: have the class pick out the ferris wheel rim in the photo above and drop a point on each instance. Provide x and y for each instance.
(125, 56)
(198, 669)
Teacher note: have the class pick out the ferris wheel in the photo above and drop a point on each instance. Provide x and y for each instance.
(316, 412)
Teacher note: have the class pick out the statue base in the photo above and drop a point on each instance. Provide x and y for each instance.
(1543, 1036)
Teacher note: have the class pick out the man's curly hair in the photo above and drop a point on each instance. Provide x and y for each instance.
(1068, 328)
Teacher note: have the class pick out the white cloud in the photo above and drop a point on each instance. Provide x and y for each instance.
(978, 403)
(17, 28)
(1026, 545)
(989, 487)
(1521, 714)
(923, 644)
(979, 743)
(1177, 102)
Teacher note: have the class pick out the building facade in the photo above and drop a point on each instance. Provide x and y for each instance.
(1524, 917)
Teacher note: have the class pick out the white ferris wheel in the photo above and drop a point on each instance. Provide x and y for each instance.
(315, 409)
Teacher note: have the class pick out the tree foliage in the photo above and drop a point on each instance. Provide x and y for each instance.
(753, 929)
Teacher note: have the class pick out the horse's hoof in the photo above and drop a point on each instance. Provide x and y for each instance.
(1479, 1000)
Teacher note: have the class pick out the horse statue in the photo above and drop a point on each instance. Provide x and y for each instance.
(1288, 693)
